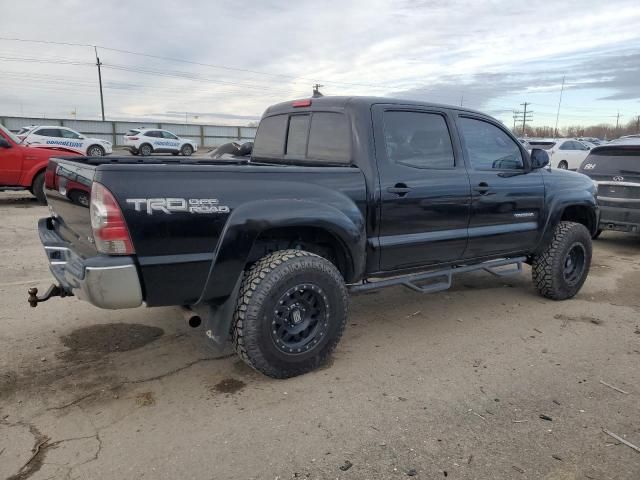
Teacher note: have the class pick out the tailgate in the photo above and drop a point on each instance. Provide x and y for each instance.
(68, 190)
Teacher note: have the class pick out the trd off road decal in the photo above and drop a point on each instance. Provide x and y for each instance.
(177, 205)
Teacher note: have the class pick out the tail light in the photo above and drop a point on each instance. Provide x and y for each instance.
(110, 231)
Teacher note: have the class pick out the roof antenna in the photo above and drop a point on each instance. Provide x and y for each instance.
(316, 91)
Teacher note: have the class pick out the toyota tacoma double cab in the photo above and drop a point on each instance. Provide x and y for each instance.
(338, 195)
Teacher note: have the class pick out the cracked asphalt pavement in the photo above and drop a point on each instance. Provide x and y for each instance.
(485, 381)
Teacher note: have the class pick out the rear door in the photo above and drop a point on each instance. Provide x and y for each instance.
(44, 136)
(507, 198)
(424, 188)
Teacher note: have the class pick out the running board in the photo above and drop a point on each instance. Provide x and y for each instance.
(442, 278)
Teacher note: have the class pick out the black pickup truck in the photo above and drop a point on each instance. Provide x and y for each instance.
(338, 195)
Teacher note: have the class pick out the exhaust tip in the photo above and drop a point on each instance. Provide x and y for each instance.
(194, 321)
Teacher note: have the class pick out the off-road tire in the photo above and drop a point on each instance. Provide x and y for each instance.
(548, 268)
(263, 286)
(37, 188)
(186, 150)
(145, 150)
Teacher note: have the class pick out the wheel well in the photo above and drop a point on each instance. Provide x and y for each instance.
(143, 144)
(312, 239)
(33, 179)
(95, 145)
(580, 214)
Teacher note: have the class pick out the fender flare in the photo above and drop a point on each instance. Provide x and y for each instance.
(249, 220)
(556, 210)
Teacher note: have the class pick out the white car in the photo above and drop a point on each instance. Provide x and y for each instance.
(145, 141)
(65, 137)
(567, 153)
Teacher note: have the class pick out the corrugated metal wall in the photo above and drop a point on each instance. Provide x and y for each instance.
(205, 135)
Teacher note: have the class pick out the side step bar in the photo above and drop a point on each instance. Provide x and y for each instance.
(442, 278)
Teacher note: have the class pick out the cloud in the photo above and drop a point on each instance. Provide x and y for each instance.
(489, 55)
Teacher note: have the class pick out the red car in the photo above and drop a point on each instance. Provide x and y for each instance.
(22, 167)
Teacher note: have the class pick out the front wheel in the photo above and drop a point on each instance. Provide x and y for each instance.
(95, 151)
(291, 312)
(187, 150)
(562, 268)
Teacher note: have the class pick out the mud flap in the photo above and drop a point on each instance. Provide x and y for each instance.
(218, 318)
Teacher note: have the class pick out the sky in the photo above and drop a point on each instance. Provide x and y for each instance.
(226, 61)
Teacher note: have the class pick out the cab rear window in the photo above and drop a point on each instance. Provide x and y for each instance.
(318, 137)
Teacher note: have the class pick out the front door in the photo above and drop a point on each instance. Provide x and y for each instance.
(10, 164)
(507, 197)
(424, 188)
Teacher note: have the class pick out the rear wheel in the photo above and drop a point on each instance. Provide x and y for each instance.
(291, 312)
(145, 150)
(37, 188)
(562, 268)
(95, 151)
(563, 165)
(187, 150)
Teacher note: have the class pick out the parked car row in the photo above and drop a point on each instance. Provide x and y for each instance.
(139, 141)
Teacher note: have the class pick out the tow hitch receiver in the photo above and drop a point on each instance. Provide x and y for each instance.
(53, 291)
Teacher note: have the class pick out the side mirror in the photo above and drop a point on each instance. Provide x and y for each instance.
(539, 158)
(81, 137)
(4, 143)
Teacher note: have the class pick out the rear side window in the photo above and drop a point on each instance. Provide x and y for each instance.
(48, 132)
(131, 133)
(329, 138)
(153, 134)
(297, 135)
(418, 139)
(488, 147)
(270, 137)
(542, 145)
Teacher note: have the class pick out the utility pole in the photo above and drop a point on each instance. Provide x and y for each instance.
(617, 120)
(559, 103)
(526, 116)
(98, 64)
(638, 124)
(461, 99)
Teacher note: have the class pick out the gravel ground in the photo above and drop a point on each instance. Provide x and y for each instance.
(485, 381)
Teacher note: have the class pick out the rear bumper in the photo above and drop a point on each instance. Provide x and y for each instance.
(103, 281)
(620, 219)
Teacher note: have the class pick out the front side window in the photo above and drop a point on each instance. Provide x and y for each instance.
(418, 139)
(69, 134)
(489, 147)
(329, 138)
(270, 137)
(169, 135)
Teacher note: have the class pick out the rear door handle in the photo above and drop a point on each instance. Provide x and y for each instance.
(482, 188)
(399, 189)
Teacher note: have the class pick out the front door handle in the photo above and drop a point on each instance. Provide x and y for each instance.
(482, 188)
(399, 189)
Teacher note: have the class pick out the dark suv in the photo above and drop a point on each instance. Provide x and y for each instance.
(615, 168)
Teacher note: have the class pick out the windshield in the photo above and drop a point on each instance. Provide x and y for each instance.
(9, 134)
